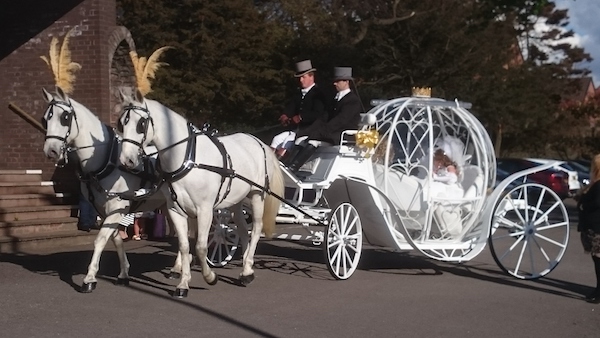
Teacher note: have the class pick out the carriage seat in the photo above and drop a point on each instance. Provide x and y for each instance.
(472, 181)
(326, 152)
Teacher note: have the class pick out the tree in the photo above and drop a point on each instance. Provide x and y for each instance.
(225, 65)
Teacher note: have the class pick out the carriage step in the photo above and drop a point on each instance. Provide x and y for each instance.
(46, 212)
(37, 226)
(20, 175)
(25, 187)
(31, 200)
(51, 241)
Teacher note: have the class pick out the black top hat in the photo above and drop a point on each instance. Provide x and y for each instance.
(304, 67)
(342, 73)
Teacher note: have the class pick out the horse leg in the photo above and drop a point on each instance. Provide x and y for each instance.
(180, 224)
(205, 215)
(247, 275)
(175, 272)
(89, 281)
(123, 278)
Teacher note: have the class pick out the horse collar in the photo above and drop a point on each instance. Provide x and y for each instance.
(110, 163)
(189, 162)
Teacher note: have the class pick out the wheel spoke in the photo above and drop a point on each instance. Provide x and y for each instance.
(510, 249)
(546, 213)
(518, 266)
(549, 240)
(541, 250)
(552, 226)
(511, 234)
(530, 250)
(509, 222)
(345, 260)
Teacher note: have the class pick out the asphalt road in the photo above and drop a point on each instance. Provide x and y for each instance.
(293, 295)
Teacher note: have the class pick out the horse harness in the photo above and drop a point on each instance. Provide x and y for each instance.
(226, 171)
(92, 179)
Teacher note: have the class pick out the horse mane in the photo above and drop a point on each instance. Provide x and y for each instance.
(145, 69)
(60, 63)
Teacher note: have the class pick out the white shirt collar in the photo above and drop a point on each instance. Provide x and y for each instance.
(341, 94)
(305, 90)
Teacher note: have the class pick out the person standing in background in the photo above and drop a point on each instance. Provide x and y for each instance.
(87, 214)
(588, 205)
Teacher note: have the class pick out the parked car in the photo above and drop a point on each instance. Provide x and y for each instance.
(556, 180)
(501, 174)
(583, 172)
(574, 184)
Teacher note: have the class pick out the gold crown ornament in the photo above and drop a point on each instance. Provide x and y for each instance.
(421, 91)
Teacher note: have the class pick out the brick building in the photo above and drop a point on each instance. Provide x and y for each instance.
(26, 29)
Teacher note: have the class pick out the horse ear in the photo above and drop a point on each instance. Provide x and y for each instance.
(139, 97)
(61, 94)
(125, 98)
(47, 95)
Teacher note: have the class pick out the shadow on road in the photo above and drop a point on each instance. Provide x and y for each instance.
(309, 262)
(297, 260)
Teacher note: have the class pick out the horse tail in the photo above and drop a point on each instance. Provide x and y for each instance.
(271, 203)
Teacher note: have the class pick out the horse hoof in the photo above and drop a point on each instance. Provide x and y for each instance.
(214, 281)
(87, 287)
(180, 293)
(174, 275)
(245, 280)
(122, 281)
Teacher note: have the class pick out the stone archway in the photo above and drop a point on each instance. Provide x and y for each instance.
(121, 69)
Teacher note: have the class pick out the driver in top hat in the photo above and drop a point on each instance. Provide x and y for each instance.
(344, 116)
(305, 107)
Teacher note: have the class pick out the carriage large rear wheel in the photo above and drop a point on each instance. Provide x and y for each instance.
(529, 232)
(343, 241)
(223, 238)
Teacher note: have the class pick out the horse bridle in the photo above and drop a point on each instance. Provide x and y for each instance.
(66, 118)
(141, 128)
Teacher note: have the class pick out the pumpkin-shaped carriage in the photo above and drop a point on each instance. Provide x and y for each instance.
(382, 185)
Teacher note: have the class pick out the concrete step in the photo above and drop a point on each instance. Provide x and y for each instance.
(31, 200)
(49, 241)
(20, 175)
(7, 188)
(37, 226)
(46, 212)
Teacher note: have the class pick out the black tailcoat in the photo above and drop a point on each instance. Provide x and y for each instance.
(345, 116)
(310, 108)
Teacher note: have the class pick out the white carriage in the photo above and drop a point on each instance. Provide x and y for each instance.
(385, 196)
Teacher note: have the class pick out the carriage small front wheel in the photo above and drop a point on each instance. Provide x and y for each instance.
(343, 241)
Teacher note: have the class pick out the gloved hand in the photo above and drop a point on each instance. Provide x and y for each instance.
(296, 119)
(284, 120)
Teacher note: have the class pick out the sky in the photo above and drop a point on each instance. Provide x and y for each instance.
(584, 20)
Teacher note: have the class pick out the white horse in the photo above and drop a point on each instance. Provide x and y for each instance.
(71, 127)
(203, 173)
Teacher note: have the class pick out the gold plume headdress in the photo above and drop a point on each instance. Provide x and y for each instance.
(61, 65)
(145, 69)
